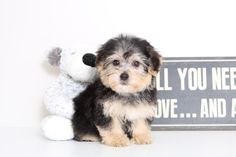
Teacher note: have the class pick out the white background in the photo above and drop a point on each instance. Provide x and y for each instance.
(30, 27)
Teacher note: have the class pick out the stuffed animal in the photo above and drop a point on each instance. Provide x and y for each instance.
(77, 71)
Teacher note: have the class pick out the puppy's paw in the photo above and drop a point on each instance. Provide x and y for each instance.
(116, 140)
(90, 138)
(144, 138)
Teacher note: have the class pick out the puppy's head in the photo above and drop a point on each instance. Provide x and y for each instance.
(126, 64)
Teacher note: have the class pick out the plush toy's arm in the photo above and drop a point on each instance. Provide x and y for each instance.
(58, 105)
(58, 97)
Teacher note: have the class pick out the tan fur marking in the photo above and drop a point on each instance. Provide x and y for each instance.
(141, 82)
(152, 72)
(91, 138)
(130, 111)
(161, 60)
(114, 135)
(104, 79)
(141, 132)
(99, 67)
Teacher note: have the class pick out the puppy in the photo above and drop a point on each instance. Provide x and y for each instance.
(118, 108)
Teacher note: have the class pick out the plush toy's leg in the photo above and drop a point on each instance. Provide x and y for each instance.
(57, 128)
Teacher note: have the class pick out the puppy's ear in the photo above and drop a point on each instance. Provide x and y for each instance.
(155, 60)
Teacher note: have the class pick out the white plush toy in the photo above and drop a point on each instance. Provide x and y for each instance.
(76, 72)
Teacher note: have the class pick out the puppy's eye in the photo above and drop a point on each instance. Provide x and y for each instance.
(136, 63)
(116, 62)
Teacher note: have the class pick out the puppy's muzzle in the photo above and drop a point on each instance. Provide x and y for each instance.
(124, 76)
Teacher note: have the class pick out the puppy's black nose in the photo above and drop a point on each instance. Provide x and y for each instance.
(124, 76)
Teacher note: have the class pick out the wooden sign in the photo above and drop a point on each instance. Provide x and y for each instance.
(196, 94)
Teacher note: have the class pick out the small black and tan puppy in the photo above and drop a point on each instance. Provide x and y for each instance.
(118, 108)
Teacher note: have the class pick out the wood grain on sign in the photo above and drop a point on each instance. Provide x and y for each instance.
(196, 94)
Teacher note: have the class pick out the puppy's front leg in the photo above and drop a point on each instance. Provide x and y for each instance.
(141, 132)
(113, 135)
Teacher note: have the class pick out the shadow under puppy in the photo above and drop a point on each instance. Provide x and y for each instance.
(118, 108)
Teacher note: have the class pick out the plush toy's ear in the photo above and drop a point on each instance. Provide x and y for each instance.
(54, 56)
(89, 59)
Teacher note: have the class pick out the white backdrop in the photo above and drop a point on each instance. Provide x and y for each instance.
(30, 27)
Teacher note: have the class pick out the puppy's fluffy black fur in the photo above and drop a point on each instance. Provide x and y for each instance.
(89, 108)
(88, 112)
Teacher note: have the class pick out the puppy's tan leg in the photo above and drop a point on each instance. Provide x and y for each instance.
(114, 135)
(141, 132)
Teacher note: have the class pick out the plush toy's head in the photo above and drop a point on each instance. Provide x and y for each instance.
(79, 66)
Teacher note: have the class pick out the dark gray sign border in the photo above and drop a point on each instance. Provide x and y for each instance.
(199, 127)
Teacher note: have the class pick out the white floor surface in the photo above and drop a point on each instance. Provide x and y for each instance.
(27, 142)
